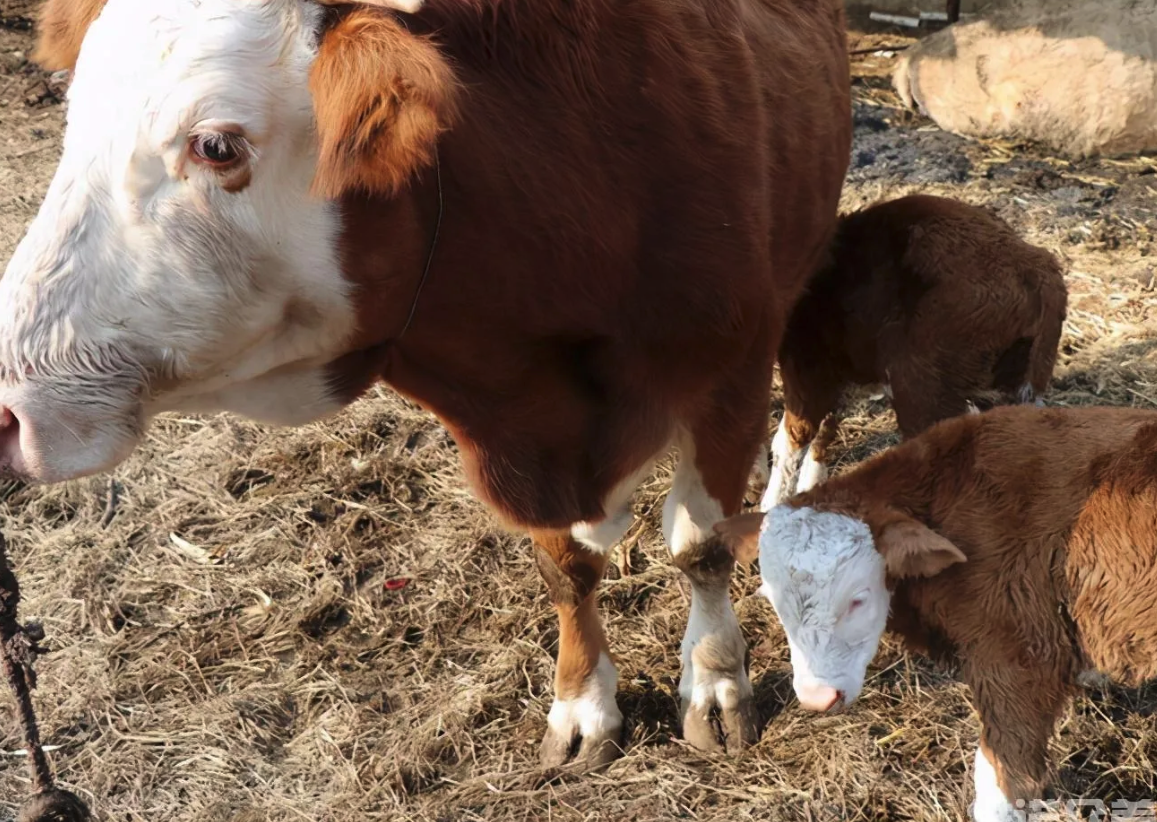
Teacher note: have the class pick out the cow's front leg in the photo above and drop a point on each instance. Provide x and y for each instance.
(714, 684)
(584, 713)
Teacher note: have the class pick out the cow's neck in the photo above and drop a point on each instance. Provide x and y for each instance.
(387, 245)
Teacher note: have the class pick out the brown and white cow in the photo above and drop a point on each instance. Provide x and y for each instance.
(572, 229)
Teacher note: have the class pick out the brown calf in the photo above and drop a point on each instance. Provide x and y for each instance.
(1019, 544)
(938, 300)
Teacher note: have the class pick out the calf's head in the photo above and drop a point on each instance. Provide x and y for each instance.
(827, 576)
(186, 255)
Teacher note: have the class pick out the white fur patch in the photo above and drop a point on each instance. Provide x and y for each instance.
(785, 468)
(825, 580)
(689, 512)
(406, 6)
(708, 681)
(811, 473)
(594, 712)
(600, 537)
(990, 804)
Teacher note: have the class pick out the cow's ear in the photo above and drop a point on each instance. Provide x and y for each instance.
(381, 96)
(61, 27)
(912, 549)
(740, 536)
(407, 6)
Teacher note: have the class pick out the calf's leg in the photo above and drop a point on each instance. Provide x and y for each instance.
(799, 451)
(814, 469)
(572, 564)
(922, 397)
(810, 395)
(1018, 709)
(584, 709)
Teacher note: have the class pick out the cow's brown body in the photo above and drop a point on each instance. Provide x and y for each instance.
(632, 194)
(628, 216)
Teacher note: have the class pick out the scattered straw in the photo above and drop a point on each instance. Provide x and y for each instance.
(368, 644)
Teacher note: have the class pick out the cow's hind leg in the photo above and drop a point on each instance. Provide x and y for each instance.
(584, 713)
(709, 484)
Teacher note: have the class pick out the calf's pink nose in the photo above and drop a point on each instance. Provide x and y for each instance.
(819, 698)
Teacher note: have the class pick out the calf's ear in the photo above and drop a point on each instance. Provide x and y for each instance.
(740, 536)
(61, 26)
(381, 97)
(911, 549)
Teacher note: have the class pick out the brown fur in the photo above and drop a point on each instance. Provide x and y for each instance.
(612, 265)
(633, 195)
(1055, 511)
(381, 97)
(62, 25)
(935, 297)
(740, 536)
(708, 562)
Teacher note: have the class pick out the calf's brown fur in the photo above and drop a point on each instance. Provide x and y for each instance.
(1055, 511)
(939, 301)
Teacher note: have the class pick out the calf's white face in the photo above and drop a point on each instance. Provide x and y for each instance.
(826, 581)
(827, 575)
(178, 260)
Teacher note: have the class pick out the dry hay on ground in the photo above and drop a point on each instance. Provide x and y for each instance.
(322, 624)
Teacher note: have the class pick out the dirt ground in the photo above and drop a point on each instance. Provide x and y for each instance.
(322, 624)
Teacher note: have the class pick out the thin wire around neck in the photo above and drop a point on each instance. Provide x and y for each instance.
(433, 246)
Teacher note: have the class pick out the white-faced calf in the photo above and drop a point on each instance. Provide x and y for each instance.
(937, 300)
(1019, 545)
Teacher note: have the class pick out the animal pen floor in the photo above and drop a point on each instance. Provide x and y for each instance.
(322, 624)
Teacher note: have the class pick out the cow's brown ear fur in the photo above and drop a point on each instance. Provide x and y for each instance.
(740, 536)
(381, 97)
(911, 549)
(61, 26)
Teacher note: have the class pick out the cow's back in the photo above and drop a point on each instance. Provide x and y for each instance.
(801, 53)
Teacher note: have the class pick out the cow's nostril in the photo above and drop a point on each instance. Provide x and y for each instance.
(11, 458)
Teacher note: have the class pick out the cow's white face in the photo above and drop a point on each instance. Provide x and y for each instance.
(826, 581)
(178, 261)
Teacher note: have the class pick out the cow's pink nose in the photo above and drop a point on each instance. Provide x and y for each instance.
(11, 460)
(819, 698)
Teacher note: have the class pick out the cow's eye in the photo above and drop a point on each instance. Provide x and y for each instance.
(218, 149)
